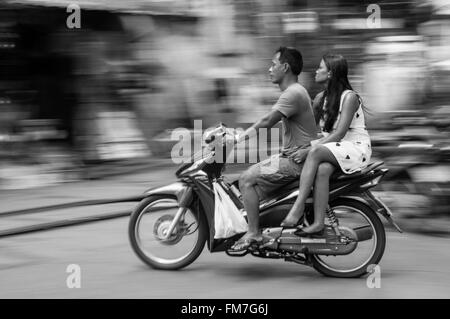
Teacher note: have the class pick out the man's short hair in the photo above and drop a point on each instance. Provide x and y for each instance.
(293, 57)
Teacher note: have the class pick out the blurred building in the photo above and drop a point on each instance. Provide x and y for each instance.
(113, 89)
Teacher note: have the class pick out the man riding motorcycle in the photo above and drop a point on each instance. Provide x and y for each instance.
(295, 111)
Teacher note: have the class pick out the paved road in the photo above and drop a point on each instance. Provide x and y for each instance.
(34, 265)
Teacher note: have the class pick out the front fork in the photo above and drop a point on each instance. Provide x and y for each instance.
(184, 200)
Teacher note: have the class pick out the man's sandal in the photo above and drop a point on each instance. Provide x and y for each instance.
(243, 245)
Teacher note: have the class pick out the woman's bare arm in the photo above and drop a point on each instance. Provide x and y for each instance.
(349, 107)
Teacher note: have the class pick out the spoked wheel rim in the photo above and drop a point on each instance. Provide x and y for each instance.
(351, 217)
(151, 227)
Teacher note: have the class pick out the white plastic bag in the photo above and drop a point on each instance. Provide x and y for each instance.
(228, 220)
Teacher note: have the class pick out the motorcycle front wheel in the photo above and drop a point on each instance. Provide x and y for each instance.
(354, 215)
(148, 227)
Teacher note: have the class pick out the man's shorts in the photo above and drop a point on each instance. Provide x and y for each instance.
(273, 173)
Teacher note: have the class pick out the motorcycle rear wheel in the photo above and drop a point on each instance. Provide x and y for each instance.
(323, 264)
(146, 231)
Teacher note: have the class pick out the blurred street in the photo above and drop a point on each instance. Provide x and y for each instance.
(34, 265)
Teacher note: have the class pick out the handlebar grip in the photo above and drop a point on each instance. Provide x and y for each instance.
(210, 139)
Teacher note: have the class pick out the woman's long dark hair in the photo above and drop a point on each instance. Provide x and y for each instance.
(337, 84)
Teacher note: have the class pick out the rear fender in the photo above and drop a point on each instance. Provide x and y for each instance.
(370, 200)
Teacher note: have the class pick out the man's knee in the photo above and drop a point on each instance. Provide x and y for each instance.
(247, 179)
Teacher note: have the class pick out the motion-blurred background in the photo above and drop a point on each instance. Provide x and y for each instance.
(75, 103)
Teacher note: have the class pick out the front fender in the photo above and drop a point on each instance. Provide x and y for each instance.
(182, 191)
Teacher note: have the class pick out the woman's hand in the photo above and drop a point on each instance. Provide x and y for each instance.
(299, 155)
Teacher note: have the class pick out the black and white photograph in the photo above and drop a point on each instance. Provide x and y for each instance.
(224, 154)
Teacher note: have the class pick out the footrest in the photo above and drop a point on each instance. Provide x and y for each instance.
(239, 254)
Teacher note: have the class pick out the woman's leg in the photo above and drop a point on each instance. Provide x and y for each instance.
(321, 194)
(316, 155)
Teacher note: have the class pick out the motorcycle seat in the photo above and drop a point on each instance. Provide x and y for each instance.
(337, 176)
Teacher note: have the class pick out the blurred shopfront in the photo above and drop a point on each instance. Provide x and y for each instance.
(112, 90)
(73, 98)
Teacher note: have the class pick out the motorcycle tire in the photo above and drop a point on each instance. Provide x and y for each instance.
(380, 233)
(192, 255)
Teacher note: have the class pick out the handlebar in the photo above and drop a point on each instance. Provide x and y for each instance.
(220, 130)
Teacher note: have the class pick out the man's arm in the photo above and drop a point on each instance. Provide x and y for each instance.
(267, 121)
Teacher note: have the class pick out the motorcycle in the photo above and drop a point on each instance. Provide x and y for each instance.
(180, 218)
